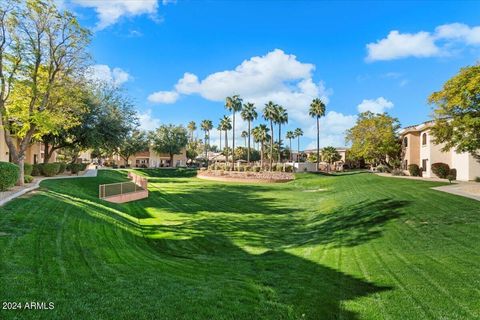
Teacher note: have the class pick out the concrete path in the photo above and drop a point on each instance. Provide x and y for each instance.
(19, 191)
(465, 189)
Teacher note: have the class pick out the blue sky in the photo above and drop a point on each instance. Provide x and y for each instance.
(178, 60)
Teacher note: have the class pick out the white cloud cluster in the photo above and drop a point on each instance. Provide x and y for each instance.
(147, 121)
(166, 97)
(423, 44)
(110, 11)
(103, 73)
(378, 105)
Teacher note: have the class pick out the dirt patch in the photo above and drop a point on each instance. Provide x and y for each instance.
(249, 177)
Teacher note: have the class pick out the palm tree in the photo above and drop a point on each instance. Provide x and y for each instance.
(330, 155)
(219, 128)
(260, 134)
(249, 114)
(290, 135)
(226, 124)
(233, 104)
(317, 110)
(269, 114)
(206, 126)
(192, 126)
(298, 133)
(281, 117)
(244, 135)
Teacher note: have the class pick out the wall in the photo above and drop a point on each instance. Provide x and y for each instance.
(412, 151)
(474, 168)
(460, 162)
(309, 166)
(3, 147)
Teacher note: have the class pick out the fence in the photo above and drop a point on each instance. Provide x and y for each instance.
(124, 191)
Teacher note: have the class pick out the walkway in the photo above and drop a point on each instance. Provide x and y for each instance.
(19, 191)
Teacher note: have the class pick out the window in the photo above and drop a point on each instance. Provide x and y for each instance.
(424, 139)
(405, 142)
(424, 165)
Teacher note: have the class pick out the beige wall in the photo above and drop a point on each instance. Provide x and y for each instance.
(412, 151)
(3, 147)
(32, 150)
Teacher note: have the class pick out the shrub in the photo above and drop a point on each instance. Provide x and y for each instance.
(27, 169)
(441, 170)
(398, 172)
(122, 167)
(414, 170)
(477, 179)
(241, 169)
(9, 173)
(69, 167)
(50, 169)
(63, 167)
(383, 168)
(256, 169)
(452, 175)
(288, 168)
(28, 178)
(278, 167)
(85, 165)
(75, 167)
(37, 169)
(144, 166)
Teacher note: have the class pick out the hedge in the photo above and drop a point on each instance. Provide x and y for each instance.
(414, 170)
(452, 175)
(9, 174)
(37, 169)
(28, 178)
(50, 169)
(76, 167)
(441, 170)
(63, 167)
(27, 169)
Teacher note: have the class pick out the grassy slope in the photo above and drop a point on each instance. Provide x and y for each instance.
(353, 246)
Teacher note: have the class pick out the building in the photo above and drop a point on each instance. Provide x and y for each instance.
(341, 151)
(418, 148)
(149, 159)
(34, 153)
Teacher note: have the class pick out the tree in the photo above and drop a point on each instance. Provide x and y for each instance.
(192, 126)
(206, 126)
(290, 135)
(219, 128)
(226, 124)
(374, 138)
(281, 117)
(317, 110)
(242, 153)
(244, 135)
(457, 112)
(260, 134)
(249, 114)
(39, 46)
(136, 141)
(269, 114)
(330, 155)
(298, 133)
(170, 139)
(194, 148)
(233, 104)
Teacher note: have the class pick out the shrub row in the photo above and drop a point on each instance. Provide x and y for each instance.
(414, 170)
(9, 173)
(52, 169)
(276, 167)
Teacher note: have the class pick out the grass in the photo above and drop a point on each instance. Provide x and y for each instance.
(354, 246)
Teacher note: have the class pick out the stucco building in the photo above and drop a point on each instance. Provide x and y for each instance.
(34, 153)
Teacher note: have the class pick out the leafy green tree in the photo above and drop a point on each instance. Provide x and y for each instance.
(249, 114)
(330, 155)
(457, 112)
(281, 117)
(169, 139)
(206, 126)
(194, 148)
(192, 126)
(317, 110)
(260, 134)
(40, 47)
(290, 135)
(374, 138)
(242, 154)
(269, 114)
(136, 141)
(233, 104)
(226, 125)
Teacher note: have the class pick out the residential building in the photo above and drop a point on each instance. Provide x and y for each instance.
(33, 154)
(150, 159)
(418, 148)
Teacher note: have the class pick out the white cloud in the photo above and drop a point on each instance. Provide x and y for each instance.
(110, 11)
(332, 129)
(103, 73)
(147, 122)
(378, 105)
(423, 44)
(167, 97)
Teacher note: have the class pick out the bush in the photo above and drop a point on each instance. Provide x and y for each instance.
(9, 174)
(383, 168)
(122, 167)
(85, 165)
(288, 168)
(50, 169)
(256, 169)
(414, 170)
(75, 167)
(441, 170)
(452, 175)
(63, 167)
(28, 178)
(278, 167)
(37, 169)
(398, 172)
(27, 169)
(477, 179)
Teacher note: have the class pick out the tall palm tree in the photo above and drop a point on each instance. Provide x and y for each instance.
(233, 104)
(192, 126)
(206, 126)
(244, 135)
(219, 128)
(260, 134)
(249, 114)
(290, 135)
(298, 133)
(226, 124)
(281, 117)
(269, 114)
(317, 110)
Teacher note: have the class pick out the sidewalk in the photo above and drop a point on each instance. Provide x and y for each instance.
(19, 191)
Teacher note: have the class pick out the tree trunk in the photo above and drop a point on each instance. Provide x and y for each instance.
(248, 151)
(261, 155)
(318, 143)
(220, 140)
(279, 142)
(205, 147)
(271, 145)
(226, 148)
(171, 160)
(291, 153)
(21, 176)
(233, 142)
(46, 151)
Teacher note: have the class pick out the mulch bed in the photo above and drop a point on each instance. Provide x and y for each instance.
(235, 176)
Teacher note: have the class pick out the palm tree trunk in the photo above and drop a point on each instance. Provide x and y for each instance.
(226, 148)
(205, 146)
(291, 153)
(261, 155)
(279, 142)
(271, 145)
(220, 140)
(318, 143)
(248, 151)
(233, 142)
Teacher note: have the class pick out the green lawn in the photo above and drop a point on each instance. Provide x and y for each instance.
(353, 246)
